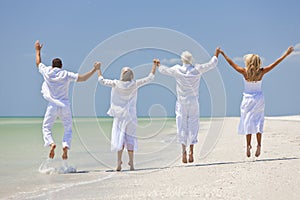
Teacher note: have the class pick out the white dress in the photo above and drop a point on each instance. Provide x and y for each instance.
(252, 109)
(123, 110)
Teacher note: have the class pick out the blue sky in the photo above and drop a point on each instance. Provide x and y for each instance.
(72, 29)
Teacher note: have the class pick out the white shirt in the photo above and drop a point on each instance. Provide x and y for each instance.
(124, 96)
(188, 78)
(56, 83)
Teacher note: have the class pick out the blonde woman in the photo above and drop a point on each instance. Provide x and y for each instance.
(123, 110)
(253, 104)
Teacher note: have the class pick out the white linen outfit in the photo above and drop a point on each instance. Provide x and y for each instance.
(187, 105)
(55, 90)
(123, 110)
(252, 109)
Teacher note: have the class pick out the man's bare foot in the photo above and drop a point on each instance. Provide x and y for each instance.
(65, 153)
(184, 159)
(119, 167)
(248, 153)
(257, 153)
(131, 166)
(52, 148)
(191, 158)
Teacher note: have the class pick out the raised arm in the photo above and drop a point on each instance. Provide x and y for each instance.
(274, 64)
(217, 52)
(38, 48)
(106, 82)
(169, 71)
(202, 68)
(235, 66)
(156, 63)
(150, 77)
(87, 75)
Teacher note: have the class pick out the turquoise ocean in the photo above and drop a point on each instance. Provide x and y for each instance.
(27, 173)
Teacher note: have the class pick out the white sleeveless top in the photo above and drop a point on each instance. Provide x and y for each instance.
(252, 87)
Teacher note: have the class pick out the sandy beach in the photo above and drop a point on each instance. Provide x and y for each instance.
(225, 173)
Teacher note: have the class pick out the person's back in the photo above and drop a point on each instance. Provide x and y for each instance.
(57, 82)
(187, 82)
(123, 110)
(187, 79)
(123, 99)
(55, 90)
(252, 87)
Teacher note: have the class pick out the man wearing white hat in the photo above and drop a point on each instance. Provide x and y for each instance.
(187, 78)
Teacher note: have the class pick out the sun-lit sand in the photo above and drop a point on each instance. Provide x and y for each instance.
(225, 173)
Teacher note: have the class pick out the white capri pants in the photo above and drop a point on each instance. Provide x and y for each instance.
(187, 120)
(52, 113)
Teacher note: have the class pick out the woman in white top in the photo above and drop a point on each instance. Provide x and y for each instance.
(123, 110)
(252, 106)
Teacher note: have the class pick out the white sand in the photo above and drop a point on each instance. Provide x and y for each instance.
(225, 173)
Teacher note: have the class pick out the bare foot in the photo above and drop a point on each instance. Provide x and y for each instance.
(119, 167)
(248, 153)
(184, 159)
(131, 166)
(52, 148)
(257, 153)
(191, 158)
(65, 153)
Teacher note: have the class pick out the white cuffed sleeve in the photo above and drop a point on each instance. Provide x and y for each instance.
(106, 82)
(169, 71)
(207, 66)
(42, 68)
(146, 80)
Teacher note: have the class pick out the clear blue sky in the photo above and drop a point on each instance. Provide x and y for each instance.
(72, 29)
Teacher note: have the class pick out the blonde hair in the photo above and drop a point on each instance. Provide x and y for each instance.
(126, 74)
(253, 70)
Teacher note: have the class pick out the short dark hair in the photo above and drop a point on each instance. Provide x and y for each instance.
(56, 62)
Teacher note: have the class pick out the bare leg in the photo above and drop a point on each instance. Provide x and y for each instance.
(248, 138)
(130, 163)
(258, 138)
(65, 153)
(52, 148)
(184, 159)
(119, 167)
(191, 157)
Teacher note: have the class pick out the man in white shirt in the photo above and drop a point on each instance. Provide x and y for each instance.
(55, 90)
(187, 78)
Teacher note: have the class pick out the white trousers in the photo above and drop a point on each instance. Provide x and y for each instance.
(52, 113)
(187, 120)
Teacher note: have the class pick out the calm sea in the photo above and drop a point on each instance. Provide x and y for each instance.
(26, 173)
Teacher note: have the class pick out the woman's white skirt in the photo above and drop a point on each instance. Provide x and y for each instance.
(252, 113)
(123, 135)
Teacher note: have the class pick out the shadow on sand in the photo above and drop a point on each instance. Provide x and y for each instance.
(208, 164)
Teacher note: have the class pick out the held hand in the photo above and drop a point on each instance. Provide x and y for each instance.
(156, 62)
(218, 49)
(97, 65)
(217, 52)
(38, 46)
(289, 50)
(221, 51)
